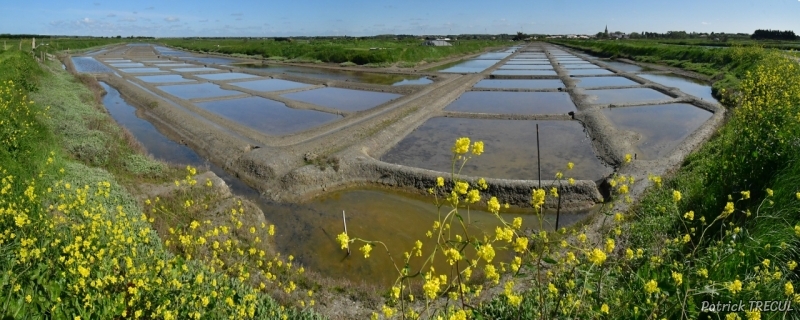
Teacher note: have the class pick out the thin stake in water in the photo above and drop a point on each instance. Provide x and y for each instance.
(538, 157)
(344, 220)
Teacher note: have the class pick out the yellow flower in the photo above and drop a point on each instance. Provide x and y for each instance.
(604, 308)
(628, 158)
(461, 146)
(343, 240)
(796, 195)
(486, 252)
(559, 175)
(728, 209)
(703, 272)
(517, 223)
(366, 249)
(689, 215)
(482, 184)
(769, 192)
(477, 148)
(461, 187)
(788, 289)
(609, 245)
(628, 254)
(521, 244)
(732, 316)
(735, 286)
(677, 277)
(676, 195)
(554, 192)
(792, 265)
(597, 256)
(28, 299)
(537, 198)
(623, 189)
(493, 205)
(571, 181)
(755, 314)
(745, 195)
(271, 230)
(439, 182)
(651, 287)
(570, 165)
(618, 217)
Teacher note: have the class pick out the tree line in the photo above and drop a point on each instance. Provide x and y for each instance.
(762, 34)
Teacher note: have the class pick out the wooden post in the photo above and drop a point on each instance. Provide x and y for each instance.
(344, 220)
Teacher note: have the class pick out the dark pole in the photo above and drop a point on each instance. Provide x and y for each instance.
(538, 157)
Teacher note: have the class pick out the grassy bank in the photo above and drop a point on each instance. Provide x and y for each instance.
(724, 66)
(405, 53)
(80, 240)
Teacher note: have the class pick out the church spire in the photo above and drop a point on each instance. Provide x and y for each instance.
(606, 30)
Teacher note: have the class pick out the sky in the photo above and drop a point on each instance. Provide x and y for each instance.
(179, 18)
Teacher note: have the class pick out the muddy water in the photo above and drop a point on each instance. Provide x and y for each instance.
(520, 83)
(167, 78)
(662, 127)
(268, 116)
(510, 148)
(690, 86)
(343, 99)
(89, 65)
(587, 82)
(270, 85)
(513, 102)
(319, 73)
(632, 95)
(308, 230)
(226, 76)
(195, 91)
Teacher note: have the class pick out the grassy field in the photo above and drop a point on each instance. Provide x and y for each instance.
(360, 52)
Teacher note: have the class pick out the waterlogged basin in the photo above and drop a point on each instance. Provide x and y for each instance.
(690, 86)
(471, 66)
(513, 102)
(662, 127)
(588, 72)
(505, 72)
(520, 83)
(226, 76)
(308, 231)
(328, 74)
(420, 81)
(89, 65)
(141, 70)
(201, 69)
(513, 61)
(268, 116)
(126, 65)
(172, 65)
(343, 99)
(624, 67)
(493, 56)
(213, 60)
(587, 82)
(197, 91)
(580, 66)
(167, 78)
(526, 67)
(510, 151)
(270, 85)
(632, 95)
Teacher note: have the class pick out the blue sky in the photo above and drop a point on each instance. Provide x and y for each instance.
(168, 18)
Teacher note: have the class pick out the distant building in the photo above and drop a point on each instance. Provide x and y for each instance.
(436, 43)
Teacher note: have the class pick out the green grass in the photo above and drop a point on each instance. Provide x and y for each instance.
(361, 52)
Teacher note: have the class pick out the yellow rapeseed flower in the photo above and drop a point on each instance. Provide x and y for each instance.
(651, 287)
(537, 198)
(343, 240)
(727, 210)
(461, 146)
(517, 223)
(609, 245)
(735, 286)
(745, 195)
(571, 181)
(788, 289)
(676, 195)
(439, 182)
(493, 205)
(678, 277)
(271, 230)
(477, 148)
(366, 249)
(604, 308)
(628, 158)
(689, 215)
(596, 256)
(570, 165)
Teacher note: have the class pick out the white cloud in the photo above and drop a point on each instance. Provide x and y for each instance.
(111, 15)
(707, 23)
(171, 19)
